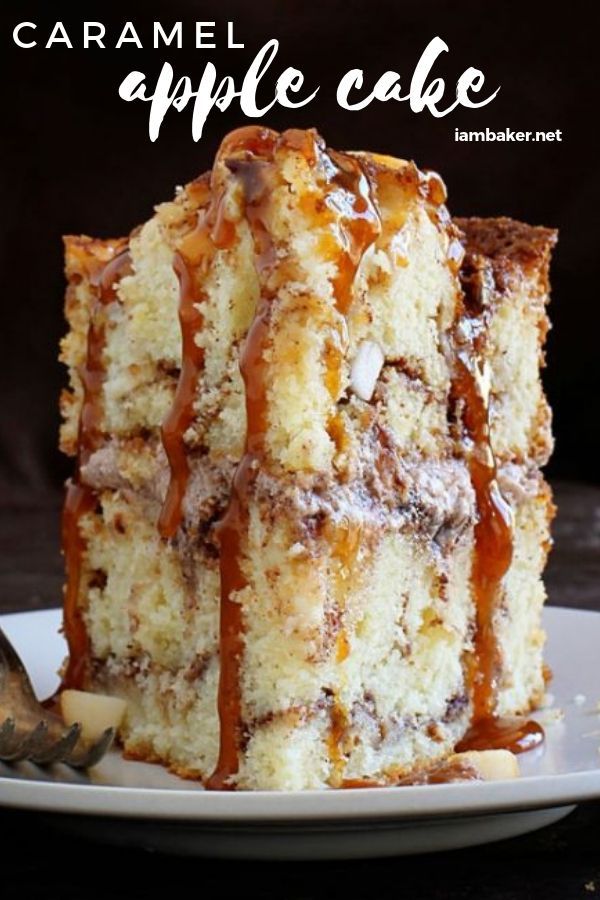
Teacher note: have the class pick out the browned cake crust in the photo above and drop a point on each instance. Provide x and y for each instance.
(505, 269)
(513, 248)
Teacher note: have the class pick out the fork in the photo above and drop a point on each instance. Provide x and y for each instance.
(28, 731)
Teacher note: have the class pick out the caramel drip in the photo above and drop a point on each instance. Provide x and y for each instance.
(348, 191)
(254, 142)
(231, 531)
(81, 499)
(214, 231)
(445, 772)
(515, 734)
(338, 730)
(345, 544)
(493, 532)
(92, 373)
(333, 357)
(337, 432)
(493, 549)
(249, 154)
(360, 224)
(181, 414)
(342, 646)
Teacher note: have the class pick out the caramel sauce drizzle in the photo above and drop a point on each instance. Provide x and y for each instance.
(348, 192)
(493, 530)
(514, 733)
(336, 738)
(252, 151)
(191, 263)
(447, 771)
(257, 145)
(181, 414)
(493, 550)
(215, 231)
(81, 499)
(231, 533)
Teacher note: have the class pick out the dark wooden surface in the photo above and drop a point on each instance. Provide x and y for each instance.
(562, 861)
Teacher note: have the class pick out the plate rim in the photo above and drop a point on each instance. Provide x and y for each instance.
(412, 803)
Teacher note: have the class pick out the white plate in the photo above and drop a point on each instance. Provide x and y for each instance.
(139, 804)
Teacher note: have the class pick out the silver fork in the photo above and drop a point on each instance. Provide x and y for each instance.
(28, 731)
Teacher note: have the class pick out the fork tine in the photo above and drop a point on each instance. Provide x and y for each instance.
(38, 739)
(50, 740)
(10, 740)
(58, 750)
(21, 749)
(93, 754)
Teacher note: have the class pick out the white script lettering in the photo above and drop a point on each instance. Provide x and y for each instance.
(206, 96)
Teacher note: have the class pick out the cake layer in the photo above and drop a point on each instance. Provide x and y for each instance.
(505, 271)
(389, 664)
(404, 297)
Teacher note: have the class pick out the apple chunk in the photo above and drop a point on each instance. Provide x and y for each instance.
(490, 765)
(94, 712)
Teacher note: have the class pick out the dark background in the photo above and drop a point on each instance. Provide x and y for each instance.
(78, 159)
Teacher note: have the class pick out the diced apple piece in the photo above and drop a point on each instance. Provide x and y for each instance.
(490, 765)
(94, 712)
(366, 369)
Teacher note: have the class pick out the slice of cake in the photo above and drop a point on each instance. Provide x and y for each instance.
(306, 532)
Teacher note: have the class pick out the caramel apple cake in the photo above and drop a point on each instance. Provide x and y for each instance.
(306, 530)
